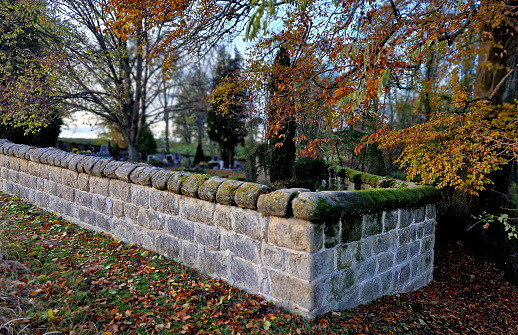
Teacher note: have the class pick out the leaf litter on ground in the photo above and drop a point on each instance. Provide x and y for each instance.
(58, 278)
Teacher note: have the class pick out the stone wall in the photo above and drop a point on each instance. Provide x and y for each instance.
(309, 252)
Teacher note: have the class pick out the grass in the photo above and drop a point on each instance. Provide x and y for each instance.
(57, 278)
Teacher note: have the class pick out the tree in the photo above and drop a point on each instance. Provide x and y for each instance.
(282, 137)
(31, 70)
(227, 119)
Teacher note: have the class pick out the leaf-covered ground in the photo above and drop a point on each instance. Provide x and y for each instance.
(56, 278)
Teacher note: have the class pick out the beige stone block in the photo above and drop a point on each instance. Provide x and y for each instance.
(296, 234)
(197, 210)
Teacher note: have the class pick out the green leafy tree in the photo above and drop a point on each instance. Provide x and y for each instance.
(147, 144)
(226, 125)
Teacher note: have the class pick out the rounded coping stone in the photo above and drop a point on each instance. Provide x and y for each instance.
(11, 149)
(145, 176)
(37, 153)
(58, 157)
(344, 200)
(226, 192)
(207, 191)
(247, 194)
(314, 206)
(81, 164)
(174, 183)
(159, 179)
(5, 147)
(192, 183)
(44, 155)
(110, 168)
(98, 168)
(90, 163)
(134, 175)
(72, 163)
(65, 159)
(278, 203)
(21, 150)
(29, 153)
(124, 171)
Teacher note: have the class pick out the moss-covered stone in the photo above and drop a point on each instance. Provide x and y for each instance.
(314, 206)
(351, 228)
(247, 194)
(145, 176)
(226, 192)
(207, 191)
(109, 169)
(174, 183)
(192, 183)
(136, 173)
(159, 179)
(278, 203)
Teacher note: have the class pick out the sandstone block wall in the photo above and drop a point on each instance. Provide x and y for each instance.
(309, 252)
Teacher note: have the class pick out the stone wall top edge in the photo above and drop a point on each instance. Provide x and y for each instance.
(297, 202)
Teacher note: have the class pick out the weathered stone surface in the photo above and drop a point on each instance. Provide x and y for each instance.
(310, 266)
(215, 264)
(69, 178)
(192, 183)
(306, 295)
(296, 234)
(242, 246)
(227, 191)
(120, 190)
(278, 203)
(140, 195)
(98, 168)
(174, 183)
(246, 275)
(406, 218)
(314, 206)
(150, 219)
(169, 246)
(429, 228)
(160, 178)
(102, 204)
(135, 174)
(165, 202)
(103, 222)
(144, 238)
(144, 178)
(83, 182)
(180, 228)
(351, 228)
(248, 193)
(365, 270)
(124, 171)
(224, 215)
(390, 219)
(197, 210)
(190, 254)
(48, 186)
(385, 261)
(65, 192)
(372, 224)
(370, 290)
(207, 236)
(250, 223)
(109, 170)
(86, 215)
(273, 256)
(83, 198)
(331, 234)
(72, 163)
(90, 163)
(364, 250)
(431, 212)
(339, 283)
(118, 209)
(131, 212)
(345, 256)
(100, 186)
(207, 191)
